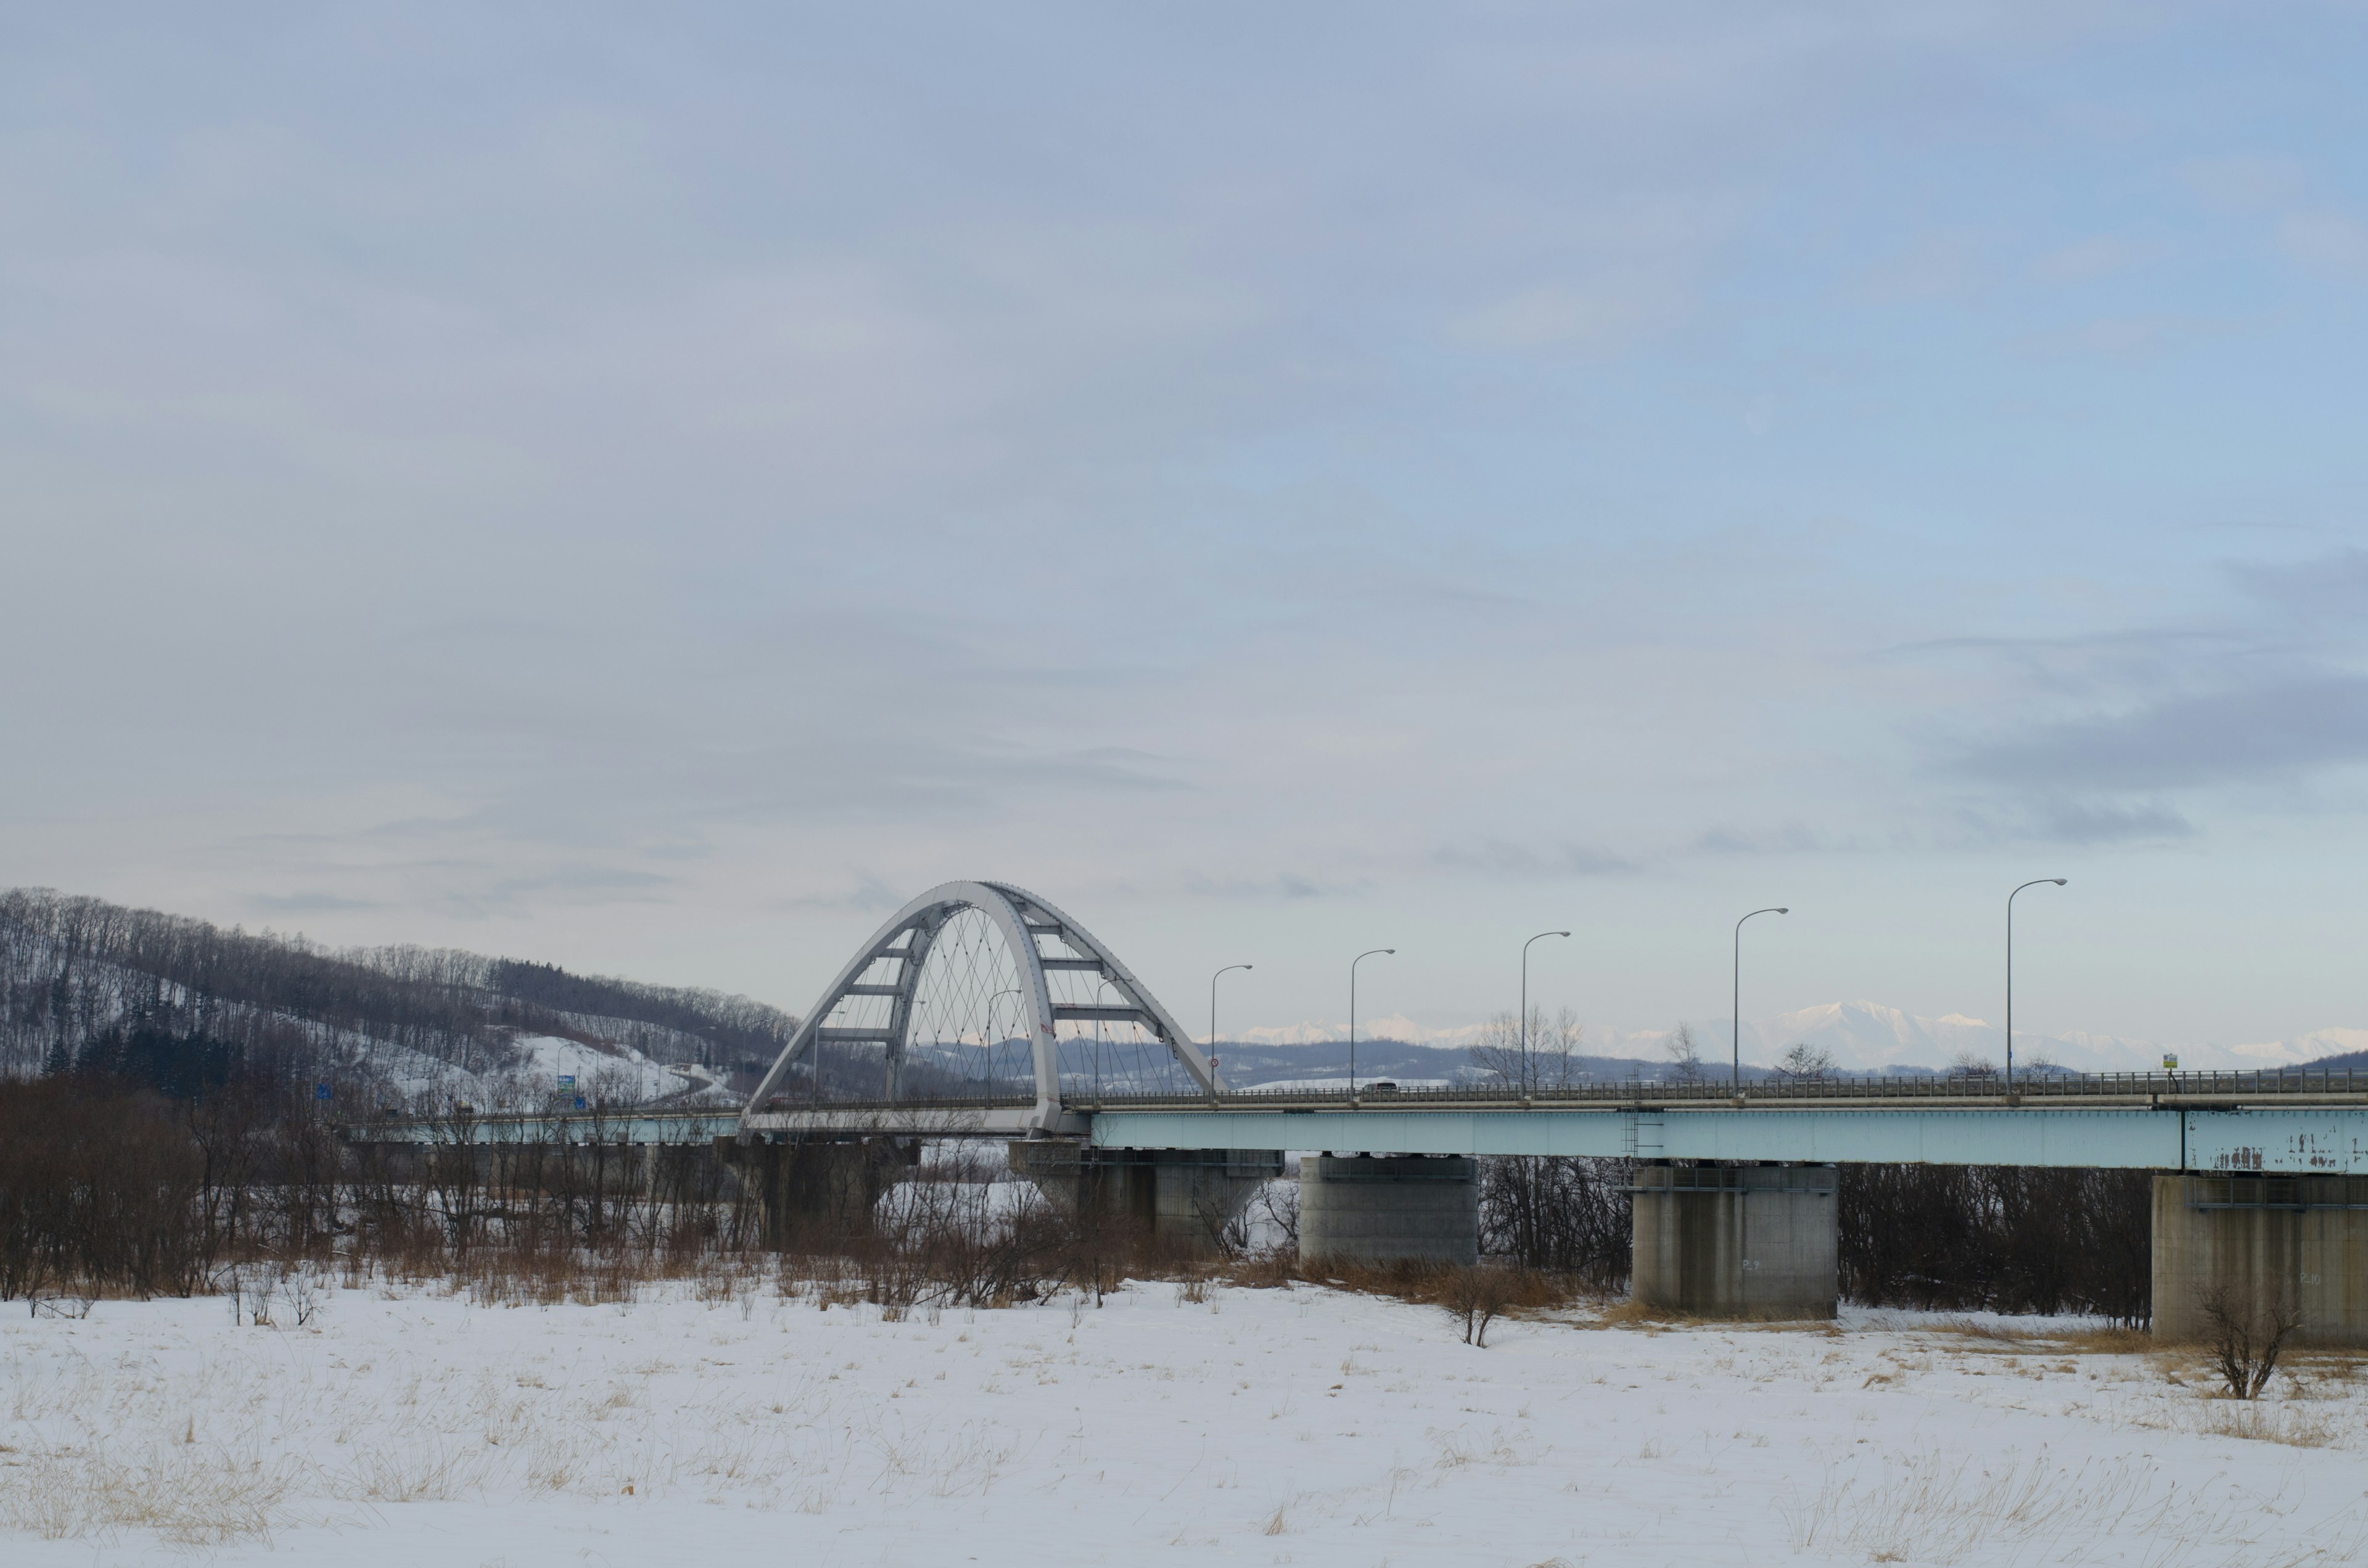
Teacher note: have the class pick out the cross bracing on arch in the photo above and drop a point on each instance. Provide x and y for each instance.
(983, 990)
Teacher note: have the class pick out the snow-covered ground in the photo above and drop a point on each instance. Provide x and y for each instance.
(618, 1073)
(613, 1071)
(1260, 1427)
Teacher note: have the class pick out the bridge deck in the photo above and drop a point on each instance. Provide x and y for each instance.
(2228, 1121)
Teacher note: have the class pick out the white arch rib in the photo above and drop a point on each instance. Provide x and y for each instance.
(1010, 908)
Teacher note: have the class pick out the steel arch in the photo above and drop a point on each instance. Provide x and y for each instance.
(1022, 916)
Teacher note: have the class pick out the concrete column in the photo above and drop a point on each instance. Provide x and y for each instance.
(2263, 1242)
(1736, 1240)
(1181, 1198)
(1380, 1211)
(816, 1192)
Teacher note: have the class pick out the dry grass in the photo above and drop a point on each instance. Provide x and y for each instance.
(1416, 1282)
(2297, 1426)
(1634, 1313)
(189, 1494)
(2103, 1342)
(2043, 1340)
(1940, 1508)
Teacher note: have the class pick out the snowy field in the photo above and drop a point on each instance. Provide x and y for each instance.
(1257, 1426)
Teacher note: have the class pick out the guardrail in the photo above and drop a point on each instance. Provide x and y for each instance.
(2168, 1087)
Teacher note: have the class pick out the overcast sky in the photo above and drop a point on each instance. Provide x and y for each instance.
(652, 489)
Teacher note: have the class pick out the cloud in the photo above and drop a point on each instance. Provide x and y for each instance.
(309, 903)
(2332, 586)
(1500, 858)
(1948, 265)
(2242, 183)
(2105, 822)
(2273, 729)
(2096, 256)
(2328, 241)
(2125, 337)
(1796, 838)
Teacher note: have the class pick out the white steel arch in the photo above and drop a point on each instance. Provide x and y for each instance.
(1021, 918)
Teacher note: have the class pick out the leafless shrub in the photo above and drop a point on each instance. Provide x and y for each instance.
(304, 1291)
(1476, 1296)
(2246, 1335)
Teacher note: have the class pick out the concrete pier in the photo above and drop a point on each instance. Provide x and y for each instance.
(1382, 1209)
(1181, 1198)
(2262, 1242)
(1736, 1240)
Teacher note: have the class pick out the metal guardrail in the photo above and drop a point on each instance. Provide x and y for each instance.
(2169, 1089)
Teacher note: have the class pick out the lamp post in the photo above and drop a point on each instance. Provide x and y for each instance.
(1360, 958)
(2010, 972)
(1737, 1069)
(1525, 1003)
(1212, 1018)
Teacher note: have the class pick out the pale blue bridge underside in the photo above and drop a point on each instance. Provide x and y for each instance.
(2330, 1139)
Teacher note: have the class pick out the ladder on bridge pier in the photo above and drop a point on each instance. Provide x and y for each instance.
(1640, 1133)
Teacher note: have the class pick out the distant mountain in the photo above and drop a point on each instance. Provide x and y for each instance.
(1867, 1037)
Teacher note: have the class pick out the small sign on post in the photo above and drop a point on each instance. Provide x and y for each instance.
(320, 1092)
(567, 1080)
(2170, 1061)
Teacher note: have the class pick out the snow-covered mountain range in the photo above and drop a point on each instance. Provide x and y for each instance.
(1867, 1036)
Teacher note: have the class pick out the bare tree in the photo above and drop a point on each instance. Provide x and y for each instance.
(1550, 1061)
(1496, 1050)
(1277, 1204)
(1685, 1056)
(1972, 1063)
(1807, 1061)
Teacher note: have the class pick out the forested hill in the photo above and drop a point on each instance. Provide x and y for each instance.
(85, 983)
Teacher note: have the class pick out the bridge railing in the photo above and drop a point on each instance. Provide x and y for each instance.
(1901, 1087)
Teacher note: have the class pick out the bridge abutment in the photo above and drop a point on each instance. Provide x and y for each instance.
(1383, 1210)
(2258, 1244)
(1736, 1240)
(1182, 1199)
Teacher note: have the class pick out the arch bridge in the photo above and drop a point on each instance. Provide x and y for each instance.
(984, 992)
(979, 1009)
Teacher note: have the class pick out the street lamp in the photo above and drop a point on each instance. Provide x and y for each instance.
(2009, 973)
(1360, 958)
(1737, 1067)
(1525, 1003)
(1212, 1018)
